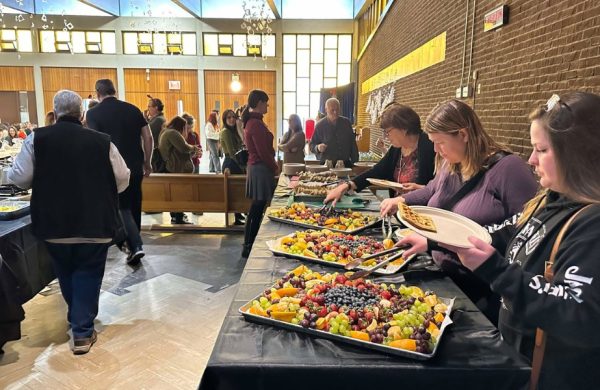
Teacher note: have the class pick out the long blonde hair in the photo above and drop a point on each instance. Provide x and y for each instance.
(451, 116)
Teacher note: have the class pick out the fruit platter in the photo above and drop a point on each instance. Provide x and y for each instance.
(337, 249)
(11, 209)
(400, 320)
(299, 214)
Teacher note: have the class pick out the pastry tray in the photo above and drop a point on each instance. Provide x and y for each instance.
(348, 340)
(21, 208)
(385, 270)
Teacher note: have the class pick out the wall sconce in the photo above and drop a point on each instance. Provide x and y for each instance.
(235, 85)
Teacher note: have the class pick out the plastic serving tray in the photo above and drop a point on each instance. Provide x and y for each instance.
(19, 209)
(348, 340)
(389, 269)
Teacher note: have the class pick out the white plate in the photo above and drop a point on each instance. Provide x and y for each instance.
(385, 183)
(452, 228)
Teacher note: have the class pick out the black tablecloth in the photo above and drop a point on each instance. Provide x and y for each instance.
(25, 269)
(471, 354)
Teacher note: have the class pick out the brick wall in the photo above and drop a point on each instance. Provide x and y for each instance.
(547, 47)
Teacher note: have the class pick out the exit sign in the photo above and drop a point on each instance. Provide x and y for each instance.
(495, 18)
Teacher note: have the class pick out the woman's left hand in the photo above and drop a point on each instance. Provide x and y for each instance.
(473, 257)
(407, 187)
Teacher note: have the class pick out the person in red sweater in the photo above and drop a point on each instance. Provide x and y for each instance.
(262, 168)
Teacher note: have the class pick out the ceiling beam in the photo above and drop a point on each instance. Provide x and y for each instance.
(194, 7)
(273, 7)
(108, 6)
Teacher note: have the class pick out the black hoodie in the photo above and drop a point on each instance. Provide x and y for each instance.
(568, 309)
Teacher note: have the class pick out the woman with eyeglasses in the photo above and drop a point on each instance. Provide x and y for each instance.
(231, 143)
(475, 177)
(563, 300)
(409, 160)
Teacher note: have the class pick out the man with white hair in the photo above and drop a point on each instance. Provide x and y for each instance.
(334, 138)
(76, 174)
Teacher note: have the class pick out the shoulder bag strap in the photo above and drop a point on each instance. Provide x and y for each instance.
(472, 182)
(540, 335)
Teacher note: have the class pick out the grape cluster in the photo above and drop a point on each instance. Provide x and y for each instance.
(350, 297)
(422, 338)
(309, 320)
(377, 335)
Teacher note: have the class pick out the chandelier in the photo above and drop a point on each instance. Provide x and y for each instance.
(257, 21)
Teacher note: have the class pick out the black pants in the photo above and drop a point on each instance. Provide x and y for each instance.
(130, 205)
(253, 220)
(234, 169)
(80, 268)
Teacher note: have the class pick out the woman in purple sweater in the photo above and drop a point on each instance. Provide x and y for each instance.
(464, 150)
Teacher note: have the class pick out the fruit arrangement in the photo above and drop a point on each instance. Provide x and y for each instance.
(346, 220)
(402, 317)
(340, 248)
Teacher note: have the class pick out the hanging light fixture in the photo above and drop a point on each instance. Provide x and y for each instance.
(257, 21)
(235, 85)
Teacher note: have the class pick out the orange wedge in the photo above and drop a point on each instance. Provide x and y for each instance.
(355, 334)
(287, 291)
(286, 316)
(407, 344)
(258, 311)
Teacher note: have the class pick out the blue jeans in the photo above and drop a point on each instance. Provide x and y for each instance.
(80, 268)
(134, 239)
(214, 165)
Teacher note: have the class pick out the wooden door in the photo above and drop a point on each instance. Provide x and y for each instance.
(15, 79)
(217, 92)
(80, 80)
(139, 84)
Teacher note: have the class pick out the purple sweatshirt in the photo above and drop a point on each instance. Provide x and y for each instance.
(502, 192)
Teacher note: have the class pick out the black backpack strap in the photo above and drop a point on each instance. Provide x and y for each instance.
(472, 182)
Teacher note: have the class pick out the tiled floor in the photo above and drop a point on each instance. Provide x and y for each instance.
(156, 326)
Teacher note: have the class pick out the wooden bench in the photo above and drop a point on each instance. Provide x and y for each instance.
(181, 192)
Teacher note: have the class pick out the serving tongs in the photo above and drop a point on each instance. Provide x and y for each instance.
(356, 262)
(325, 210)
(366, 272)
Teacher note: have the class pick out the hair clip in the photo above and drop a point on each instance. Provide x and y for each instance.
(552, 102)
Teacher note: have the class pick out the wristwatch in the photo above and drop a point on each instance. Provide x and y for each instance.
(349, 184)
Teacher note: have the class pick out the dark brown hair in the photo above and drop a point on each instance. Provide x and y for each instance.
(254, 97)
(177, 123)
(573, 128)
(401, 117)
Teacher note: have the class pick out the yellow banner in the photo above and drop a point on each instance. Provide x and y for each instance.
(427, 55)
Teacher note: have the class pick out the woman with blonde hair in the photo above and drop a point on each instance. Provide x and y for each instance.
(548, 277)
(475, 177)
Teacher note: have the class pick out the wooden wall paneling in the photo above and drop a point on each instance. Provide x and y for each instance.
(80, 80)
(216, 88)
(137, 87)
(16, 78)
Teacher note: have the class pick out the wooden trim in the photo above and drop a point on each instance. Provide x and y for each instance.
(368, 41)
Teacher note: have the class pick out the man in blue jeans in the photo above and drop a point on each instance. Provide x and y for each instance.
(76, 175)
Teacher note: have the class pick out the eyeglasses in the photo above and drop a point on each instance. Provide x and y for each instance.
(386, 132)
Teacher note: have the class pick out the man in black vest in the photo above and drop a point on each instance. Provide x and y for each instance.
(76, 174)
(128, 129)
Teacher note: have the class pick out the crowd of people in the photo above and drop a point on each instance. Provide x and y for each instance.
(16, 132)
(535, 278)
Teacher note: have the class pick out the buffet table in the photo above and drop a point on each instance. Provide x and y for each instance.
(252, 356)
(25, 269)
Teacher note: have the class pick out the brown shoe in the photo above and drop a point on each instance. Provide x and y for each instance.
(82, 346)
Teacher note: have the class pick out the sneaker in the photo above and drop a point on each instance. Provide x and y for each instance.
(239, 222)
(135, 256)
(82, 345)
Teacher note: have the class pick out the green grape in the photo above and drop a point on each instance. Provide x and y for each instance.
(295, 321)
(407, 331)
(334, 330)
